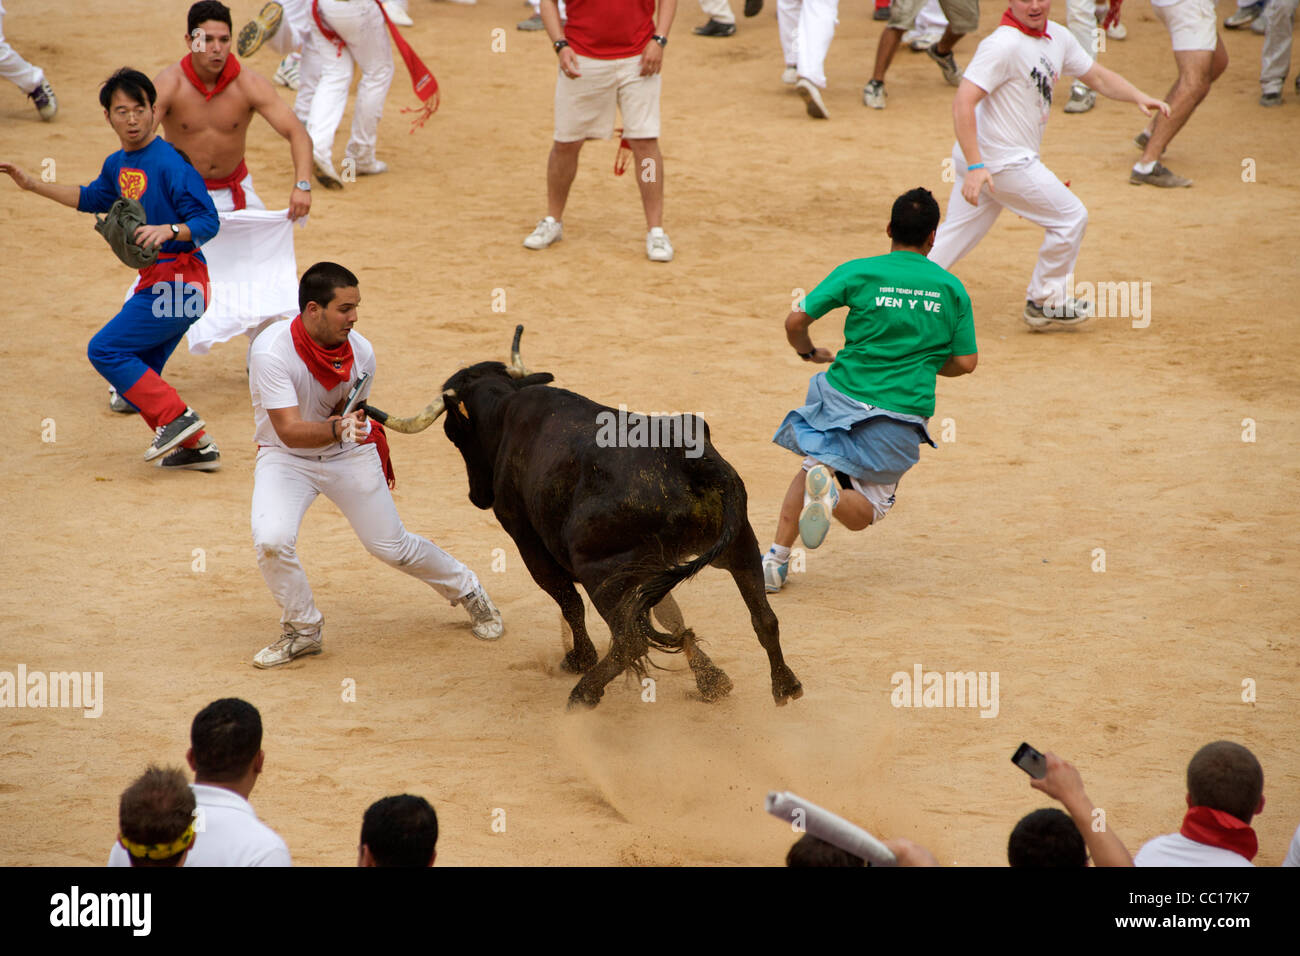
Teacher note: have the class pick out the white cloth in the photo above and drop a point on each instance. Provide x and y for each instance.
(1174, 849)
(231, 835)
(251, 266)
(1081, 15)
(1192, 24)
(362, 28)
(13, 67)
(1275, 58)
(719, 10)
(931, 18)
(295, 25)
(806, 28)
(1293, 854)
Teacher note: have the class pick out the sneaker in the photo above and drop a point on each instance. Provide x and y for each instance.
(1271, 99)
(1081, 99)
(1117, 31)
(548, 231)
(293, 643)
(119, 404)
(819, 500)
(484, 618)
(44, 100)
(948, 63)
(206, 457)
(260, 29)
(880, 13)
(369, 167)
(399, 16)
(1244, 15)
(715, 28)
(1259, 25)
(790, 76)
(532, 23)
(1159, 176)
(873, 95)
(325, 174)
(289, 72)
(1073, 312)
(922, 41)
(812, 98)
(774, 573)
(657, 246)
(168, 436)
(753, 7)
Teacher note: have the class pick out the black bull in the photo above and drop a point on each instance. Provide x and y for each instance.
(628, 524)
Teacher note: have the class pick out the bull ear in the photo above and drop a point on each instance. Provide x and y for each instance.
(536, 378)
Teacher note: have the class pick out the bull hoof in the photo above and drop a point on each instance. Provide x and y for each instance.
(783, 695)
(576, 665)
(579, 701)
(713, 683)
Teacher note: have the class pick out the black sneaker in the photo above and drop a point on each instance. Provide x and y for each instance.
(715, 28)
(753, 7)
(204, 458)
(173, 433)
(46, 103)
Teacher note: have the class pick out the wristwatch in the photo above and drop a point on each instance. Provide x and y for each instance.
(303, 184)
(560, 44)
(662, 41)
(176, 231)
(807, 356)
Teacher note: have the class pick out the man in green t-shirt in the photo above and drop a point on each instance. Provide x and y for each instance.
(864, 418)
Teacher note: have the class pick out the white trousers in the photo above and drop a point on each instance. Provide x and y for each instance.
(1275, 59)
(1081, 19)
(1031, 192)
(295, 26)
(806, 28)
(13, 67)
(362, 29)
(285, 485)
(719, 10)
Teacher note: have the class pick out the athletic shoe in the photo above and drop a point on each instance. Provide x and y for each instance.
(399, 16)
(370, 167)
(293, 643)
(206, 457)
(1117, 31)
(1074, 313)
(774, 573)
(1271, 99)
(1259, 25)
(919, 41)
(1141, 139)
(880, 13)
(715, 28)
(548, 231)
(873, 95)
(325, 174)
(485, 619)
(1244, 15)
(44, 100)
(532, 23)
(173, 433)
(753, 7)
(819, 500)
(119, 404)
(948, 63)
(289, 72)
(1159, 176)
(657, 246)
(260, 29)
(790, 76)
(812, 98)
(1081, 99)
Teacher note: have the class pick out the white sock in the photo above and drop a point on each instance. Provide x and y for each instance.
(1144, 167)
(781, 554)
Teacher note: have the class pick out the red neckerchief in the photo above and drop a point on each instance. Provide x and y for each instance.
(330, 367)
(227, 76)
(1217, 828)
(233, 182)
(1009, 20)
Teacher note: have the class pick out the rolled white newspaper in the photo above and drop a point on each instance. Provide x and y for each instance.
(827, 826)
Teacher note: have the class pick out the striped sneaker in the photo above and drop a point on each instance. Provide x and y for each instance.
(819, 500)
(289, 72)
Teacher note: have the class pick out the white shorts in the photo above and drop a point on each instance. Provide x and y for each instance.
(584, 106)
(1192, 24)
(880, 496)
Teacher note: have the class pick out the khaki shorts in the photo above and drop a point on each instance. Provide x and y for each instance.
(584, 106)
(963, 15)
(1192, 24)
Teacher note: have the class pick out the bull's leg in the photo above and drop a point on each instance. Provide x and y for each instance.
(556, 582)
(712, 682)
(626, 645)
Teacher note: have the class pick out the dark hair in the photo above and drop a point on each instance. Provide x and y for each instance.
(400, 831)
(156, 809)
(809, 850)
(1226, 776)
(1047, 838)
(226, 735)
(319, 282)
(131, 82)
(206, 10)
(915, 215)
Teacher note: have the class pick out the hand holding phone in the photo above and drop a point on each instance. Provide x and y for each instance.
(1030, 761)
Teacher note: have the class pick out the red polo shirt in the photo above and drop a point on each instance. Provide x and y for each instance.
(609, 29)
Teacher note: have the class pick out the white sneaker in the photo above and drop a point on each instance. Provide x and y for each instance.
(790, 76)
(1117, 31)
(289, 71)
(873, 94)
(292, 643)
(369, 167)
(774, 573)
(548, 231)
(657, 246)
(812, 98)
(398, 15)
(325, 173)
(485, 619)
(820, 498)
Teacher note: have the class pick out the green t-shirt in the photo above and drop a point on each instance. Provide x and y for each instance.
(906, 317)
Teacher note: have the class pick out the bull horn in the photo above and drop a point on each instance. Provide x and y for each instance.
(416, 423)
(517, 369)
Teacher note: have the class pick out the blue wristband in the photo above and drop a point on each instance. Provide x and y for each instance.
(975, 167)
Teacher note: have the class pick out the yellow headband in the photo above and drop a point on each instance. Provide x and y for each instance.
(159, 851)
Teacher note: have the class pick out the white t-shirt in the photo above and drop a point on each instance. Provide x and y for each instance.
(1174, 849)
(231, 835)
(278, 378)
(1019, 74)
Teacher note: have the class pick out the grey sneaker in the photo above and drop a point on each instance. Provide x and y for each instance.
(532, 23)
(173, 433)
(206, 457)
(484, 618)
(1159, 176)
(1271, 99)
(1081, 99)
(873, 95)
(119, 404)
(812, 98)
(1141, 139)
(292, 643)
(947, 63)
(1071, 313)
(44, 100)
(1244, 15)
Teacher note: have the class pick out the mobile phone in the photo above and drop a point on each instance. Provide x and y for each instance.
(354, 393)
(1030, 761)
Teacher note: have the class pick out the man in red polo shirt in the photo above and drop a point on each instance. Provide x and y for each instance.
(610, 53)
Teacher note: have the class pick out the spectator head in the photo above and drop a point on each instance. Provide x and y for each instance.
(226, 745)
(320, 282)
(809, 850)
(156, 818)
(1047, 838)
(1226, 776)
(914, 219)
(133, 84)
(399, 831)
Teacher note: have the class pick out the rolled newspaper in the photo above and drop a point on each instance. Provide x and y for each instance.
(827, 826)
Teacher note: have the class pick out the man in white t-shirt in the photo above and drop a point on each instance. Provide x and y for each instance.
(999, 113)
(226, 757)
(1225, 789)
(300, 376)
